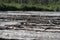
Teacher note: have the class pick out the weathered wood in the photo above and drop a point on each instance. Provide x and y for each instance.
(22, 34)
(30, 25)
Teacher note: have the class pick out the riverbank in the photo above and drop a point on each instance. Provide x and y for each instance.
(28, 7)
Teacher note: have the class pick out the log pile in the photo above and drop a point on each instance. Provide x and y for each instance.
(33, 27)
(31, 22)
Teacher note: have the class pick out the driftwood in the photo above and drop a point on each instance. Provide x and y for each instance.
(32, 26)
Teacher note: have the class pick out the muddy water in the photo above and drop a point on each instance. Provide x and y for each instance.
(33, 20)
